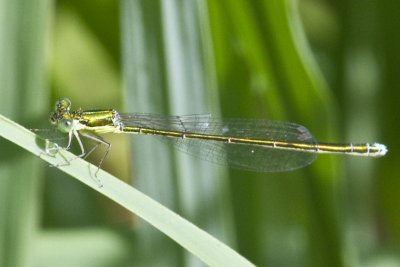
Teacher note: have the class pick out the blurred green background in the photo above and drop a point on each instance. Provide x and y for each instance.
(331, 66)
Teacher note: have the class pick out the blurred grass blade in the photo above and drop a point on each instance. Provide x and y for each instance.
(268, 71)
(207, 248)
(23, 28)
(168, 69)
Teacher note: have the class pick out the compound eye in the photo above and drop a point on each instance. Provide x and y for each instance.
(63, 104)
(53, 118)
(65, 126)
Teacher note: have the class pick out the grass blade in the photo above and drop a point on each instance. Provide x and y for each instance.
(207, 248)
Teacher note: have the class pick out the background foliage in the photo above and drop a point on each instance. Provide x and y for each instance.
(328, 65)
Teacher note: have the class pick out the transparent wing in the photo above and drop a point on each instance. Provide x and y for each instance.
(53, 135)
(240, 156)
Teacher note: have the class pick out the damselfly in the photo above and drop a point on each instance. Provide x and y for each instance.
(255, 145)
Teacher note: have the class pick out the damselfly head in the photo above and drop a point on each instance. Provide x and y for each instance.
(62, 107)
